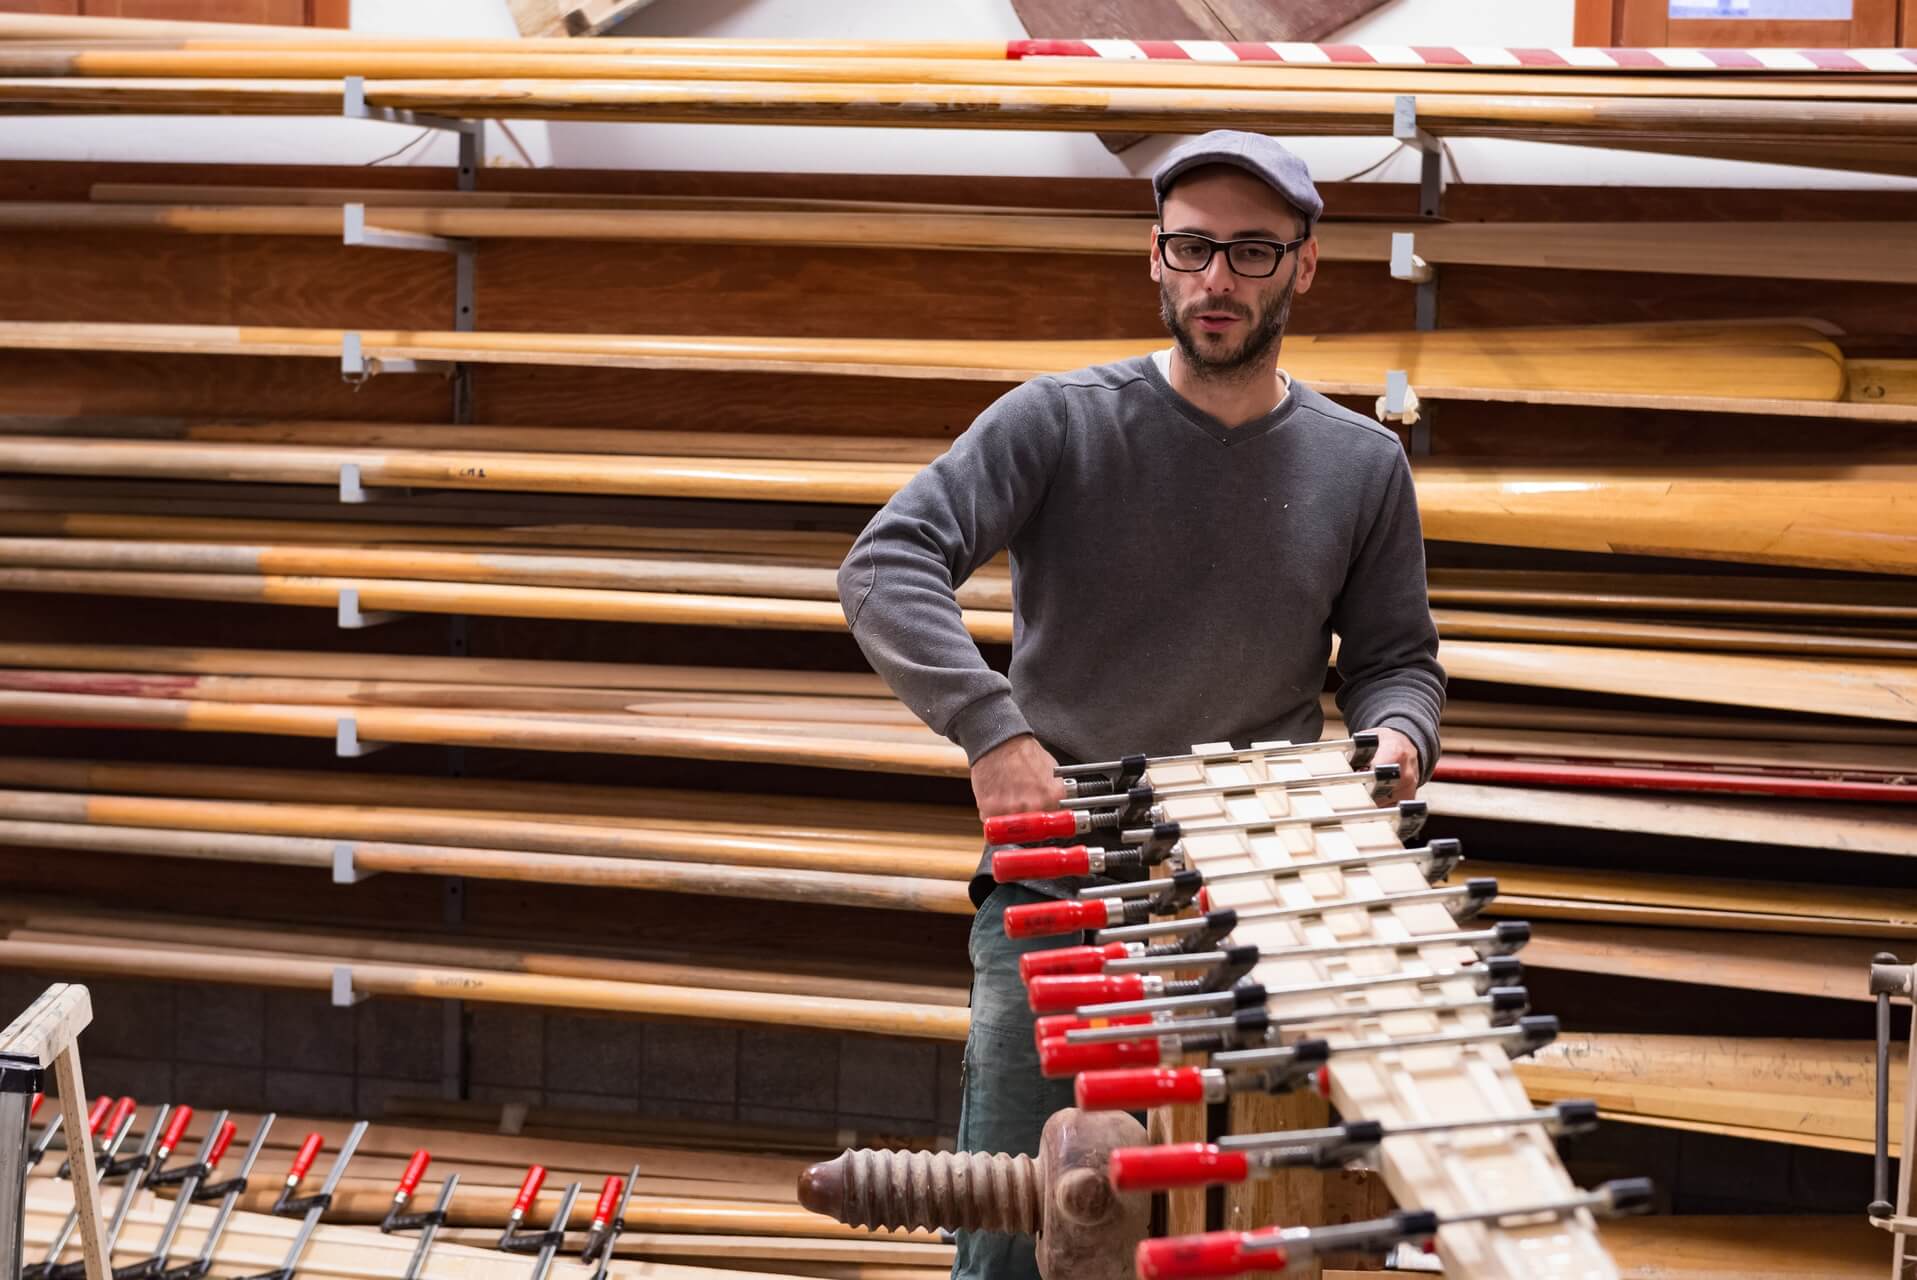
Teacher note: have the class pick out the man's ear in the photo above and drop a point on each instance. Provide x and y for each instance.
(1307, 263)
(1152, 253)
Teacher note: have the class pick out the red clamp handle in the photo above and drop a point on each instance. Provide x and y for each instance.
(1018, 828)
(608, 1202)
(1069, 960)
(1039, 864)
(121, 1110)
(1216, 1253)
(1061, 1060)
(1138, 1090)
(1185, 1164)
(101, 1105)
(175, 1130)
(33, 1109)
(1049, 919)
(303, 1158)
(1064, 992)
(221, 1141)
(414, 1171)
(529, 1190)
(1054, 1026)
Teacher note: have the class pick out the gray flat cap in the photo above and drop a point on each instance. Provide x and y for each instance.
(1263, 157)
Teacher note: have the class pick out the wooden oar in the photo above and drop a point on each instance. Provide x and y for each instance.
(1682, 593)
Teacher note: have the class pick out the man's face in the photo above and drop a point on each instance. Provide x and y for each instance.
(1226, 323)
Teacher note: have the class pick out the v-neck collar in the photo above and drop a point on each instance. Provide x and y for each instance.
(1215, 428)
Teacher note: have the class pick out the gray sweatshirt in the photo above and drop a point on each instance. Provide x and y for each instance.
(1175, 580)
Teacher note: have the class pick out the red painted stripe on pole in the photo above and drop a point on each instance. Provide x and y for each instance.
(1734, 59)
(1347, 53)
(1049, 49)
(1439, 55)
(1539, 57)
(1628, 58)
(1257, 53)
(1831, 59)
(1170, 50)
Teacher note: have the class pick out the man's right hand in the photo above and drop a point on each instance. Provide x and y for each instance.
(1016, 777)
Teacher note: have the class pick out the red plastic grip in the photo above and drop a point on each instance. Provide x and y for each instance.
(1184, 1164)
(608, 1202)
(529, 1189)
(1049, 919)
(1060, 1059)
(1063, 992)
(1054, 1026)
(101, 1105)
(1216, 1253)
(33, 1109)
(176, 1128)
(1040, 864)
(1035, 964)
(414, 1171)
(1017, 828)
(304, 1157)
(221, 1141)
(121, 1110)
(1138, 1089)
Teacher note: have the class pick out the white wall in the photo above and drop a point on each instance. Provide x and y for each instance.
(827, 150)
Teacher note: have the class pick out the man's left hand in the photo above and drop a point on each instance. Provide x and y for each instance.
(1395, 747)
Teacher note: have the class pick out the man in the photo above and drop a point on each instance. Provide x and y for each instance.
(1187, 531)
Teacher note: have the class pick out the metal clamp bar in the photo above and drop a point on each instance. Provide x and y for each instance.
(345, 994)
(351, 617)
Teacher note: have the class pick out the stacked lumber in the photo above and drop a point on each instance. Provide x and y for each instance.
(1851, 121)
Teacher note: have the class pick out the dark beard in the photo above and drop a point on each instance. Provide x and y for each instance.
(1256, 352)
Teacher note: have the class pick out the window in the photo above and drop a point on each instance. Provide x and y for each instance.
(1756, 24)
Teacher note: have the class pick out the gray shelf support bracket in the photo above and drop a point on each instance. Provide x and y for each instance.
(345, 996)
(353, 618)
(347, 744)
(345, 870)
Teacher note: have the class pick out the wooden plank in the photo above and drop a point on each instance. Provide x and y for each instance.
(84, 1180)
(43, 1030)
(1798, 965)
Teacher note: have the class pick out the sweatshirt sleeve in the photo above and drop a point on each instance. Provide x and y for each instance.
(897, 583)
(1387, 643)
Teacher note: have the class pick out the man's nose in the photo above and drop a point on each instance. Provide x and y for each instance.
(1218, 276)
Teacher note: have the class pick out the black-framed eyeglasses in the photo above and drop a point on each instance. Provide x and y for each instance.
(1255, 259)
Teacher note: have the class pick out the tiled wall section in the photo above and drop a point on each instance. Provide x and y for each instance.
(292, 1051)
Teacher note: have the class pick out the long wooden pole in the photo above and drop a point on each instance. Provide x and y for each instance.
(301, 63)
(756, 975)
(1870, 136)
(491, 831)
(890, 822)
(485, 987)
(1868, 251)
(1760, 360)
